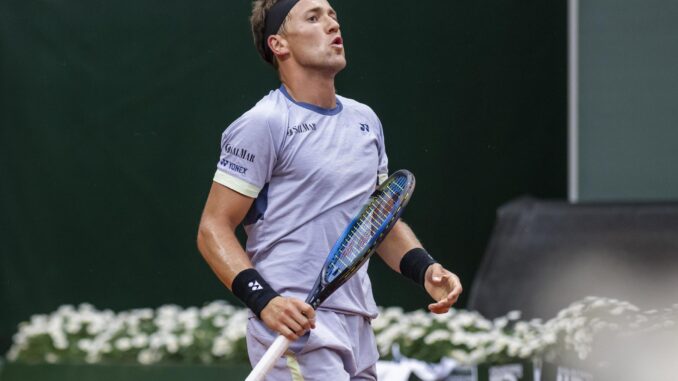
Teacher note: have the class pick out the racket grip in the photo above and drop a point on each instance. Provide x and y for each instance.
(272, 355)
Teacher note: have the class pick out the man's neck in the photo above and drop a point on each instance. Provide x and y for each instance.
(314, 88)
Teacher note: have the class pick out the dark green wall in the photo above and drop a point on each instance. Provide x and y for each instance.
(111, 113)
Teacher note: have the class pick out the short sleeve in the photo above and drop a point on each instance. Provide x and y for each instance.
(382, 170)
(247, 155)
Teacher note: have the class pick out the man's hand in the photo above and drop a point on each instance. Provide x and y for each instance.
(290, 317)
(443, 286)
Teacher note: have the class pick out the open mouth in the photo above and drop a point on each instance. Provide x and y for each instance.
(337, 41)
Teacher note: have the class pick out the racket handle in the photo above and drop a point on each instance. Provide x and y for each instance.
(272, 355)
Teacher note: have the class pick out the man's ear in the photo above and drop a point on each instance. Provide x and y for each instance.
(278, 45)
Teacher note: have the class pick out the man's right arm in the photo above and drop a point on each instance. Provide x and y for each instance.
(224, 211)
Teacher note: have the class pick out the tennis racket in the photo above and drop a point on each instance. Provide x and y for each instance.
(355, 245)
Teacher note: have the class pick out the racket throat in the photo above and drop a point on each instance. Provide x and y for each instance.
(314, 297)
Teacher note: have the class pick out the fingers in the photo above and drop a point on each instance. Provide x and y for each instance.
(445, 288)
(434, 274)
(308, 312)
(288, 333)
(444, 305)
(290, 317)
(439, 278)
(438, 308)
(300, 313)
(439, 275)
(291, 329)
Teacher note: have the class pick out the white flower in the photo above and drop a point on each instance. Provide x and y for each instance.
(380, 323)
(148, 357)
(437, 335)
(221, 347)
(13, 353)
(169, 310)
(172, 344)
(60, 342)
(387, 337)
(421, 318)
(513, 348)
(415, 333)
(140, 340)
(218, 307)
(65, 310)
(92, 357)
(392, 313)
(123, 344)
(51, 358)
(186, 340)
(525, 351)
(476, 356)
(458, 337)
(166, 322)
(72, 327)
(441, 318)
(473, 340)
(522, 327)
(501, 322)
(189, 318)
(483, 324)
(513, 315)
(460, 356)
(465, 319)
(142, 314)
(84, 345)
(236, 328)
(549, 338)
(96, 325)
(219, 321)
(85, 307)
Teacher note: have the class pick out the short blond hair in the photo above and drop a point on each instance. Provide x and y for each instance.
(258, 21)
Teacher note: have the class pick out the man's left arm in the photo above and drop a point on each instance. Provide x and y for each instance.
(402, 252)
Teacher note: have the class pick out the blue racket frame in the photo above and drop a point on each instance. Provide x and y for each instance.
(328, 283)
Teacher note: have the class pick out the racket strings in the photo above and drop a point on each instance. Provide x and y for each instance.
(368, 224)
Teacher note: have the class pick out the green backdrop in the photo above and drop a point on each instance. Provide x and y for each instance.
(111, 114)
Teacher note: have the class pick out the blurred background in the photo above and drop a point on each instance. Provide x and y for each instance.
(111, 115)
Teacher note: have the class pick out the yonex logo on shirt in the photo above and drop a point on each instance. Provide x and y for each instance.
(364, 128)
(254, 286)
(233, 166)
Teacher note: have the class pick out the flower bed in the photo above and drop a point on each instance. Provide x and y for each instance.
(169, 334)
(215, 334)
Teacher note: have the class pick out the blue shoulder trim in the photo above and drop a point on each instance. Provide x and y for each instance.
(325, 111)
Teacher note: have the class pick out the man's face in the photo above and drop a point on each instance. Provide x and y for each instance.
(313, 36)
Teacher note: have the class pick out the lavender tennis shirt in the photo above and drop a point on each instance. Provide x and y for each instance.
(309, 170)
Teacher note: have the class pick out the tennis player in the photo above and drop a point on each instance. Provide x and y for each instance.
(294, 170)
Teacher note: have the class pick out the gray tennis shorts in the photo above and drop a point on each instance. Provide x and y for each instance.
(341, 347)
